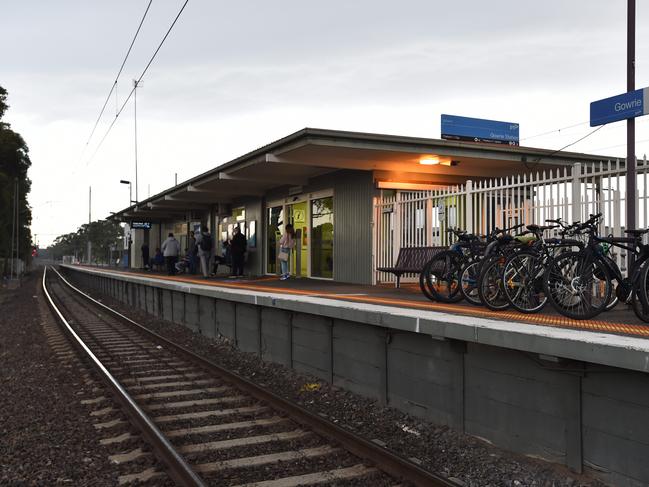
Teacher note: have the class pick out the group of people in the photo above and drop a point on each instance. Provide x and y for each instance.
(200, 253)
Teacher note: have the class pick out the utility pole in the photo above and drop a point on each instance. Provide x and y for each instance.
(89, 222)
(630, 125)
(13, 230)
(135, 87)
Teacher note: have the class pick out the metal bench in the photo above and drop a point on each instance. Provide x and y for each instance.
(411, 260)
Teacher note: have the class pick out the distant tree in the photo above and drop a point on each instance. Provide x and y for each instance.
(3, 102)
(14, 164)
(102, 234)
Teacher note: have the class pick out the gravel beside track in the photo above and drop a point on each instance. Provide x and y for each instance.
(46, 433)
(462, 458)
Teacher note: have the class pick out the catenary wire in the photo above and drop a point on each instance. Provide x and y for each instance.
(137, 82)
(530, 167)
(553, 131)
(121, 68)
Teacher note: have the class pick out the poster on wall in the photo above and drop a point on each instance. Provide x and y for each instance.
(251, 234)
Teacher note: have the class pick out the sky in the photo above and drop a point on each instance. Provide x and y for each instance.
(233, 76)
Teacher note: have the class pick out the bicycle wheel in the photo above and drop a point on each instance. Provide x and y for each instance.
(441, 277)
(643, 286)
(469, 283)
(640, 310)
(523, 282)
(578, 285)
(490, 284)
(422, 281)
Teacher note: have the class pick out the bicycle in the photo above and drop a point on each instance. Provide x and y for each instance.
(439, 279)
(490, 283)
(523, 272)
(579, 284)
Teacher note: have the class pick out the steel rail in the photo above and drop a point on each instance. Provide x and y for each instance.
(385, 460)
(178, 468)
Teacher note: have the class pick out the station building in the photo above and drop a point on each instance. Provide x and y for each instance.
(326, 183)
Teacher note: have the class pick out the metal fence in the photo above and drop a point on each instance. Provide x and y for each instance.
(420, 218)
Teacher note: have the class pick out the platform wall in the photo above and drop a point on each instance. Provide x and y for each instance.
(582, 415)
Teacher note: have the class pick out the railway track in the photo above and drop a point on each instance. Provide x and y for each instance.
(205, 425)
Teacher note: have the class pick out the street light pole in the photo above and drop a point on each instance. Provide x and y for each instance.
(130, 192)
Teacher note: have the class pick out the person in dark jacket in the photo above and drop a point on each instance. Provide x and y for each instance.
(237, 251)
(145, 255)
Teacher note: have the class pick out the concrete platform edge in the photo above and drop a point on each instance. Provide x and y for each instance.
(598, 348)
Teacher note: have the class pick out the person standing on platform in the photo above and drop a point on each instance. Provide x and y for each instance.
(192, 252)
(170, 250)
(205, 244)
(286, 245)
(238, 251)
(145, 255)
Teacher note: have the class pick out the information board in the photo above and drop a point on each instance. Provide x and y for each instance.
(479, 130)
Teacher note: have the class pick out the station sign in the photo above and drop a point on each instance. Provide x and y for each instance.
(479, 130)
(619, 107)
(141, 225)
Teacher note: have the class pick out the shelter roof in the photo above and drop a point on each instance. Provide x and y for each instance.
(310, 152)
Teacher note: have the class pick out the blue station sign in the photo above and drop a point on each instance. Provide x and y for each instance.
(141, 225)
(479, 130)
(619, 107)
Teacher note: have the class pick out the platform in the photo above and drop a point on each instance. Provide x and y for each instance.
(617, 338)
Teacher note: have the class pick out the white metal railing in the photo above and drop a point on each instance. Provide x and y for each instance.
(420, 218)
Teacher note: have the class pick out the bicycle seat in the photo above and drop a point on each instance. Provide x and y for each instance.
(540, 228)
(637, 231)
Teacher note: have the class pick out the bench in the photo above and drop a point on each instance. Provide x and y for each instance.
(411, 260)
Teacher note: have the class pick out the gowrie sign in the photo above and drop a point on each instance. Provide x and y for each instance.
(620, 107)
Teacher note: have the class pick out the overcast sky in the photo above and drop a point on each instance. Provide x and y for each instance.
(233, 76)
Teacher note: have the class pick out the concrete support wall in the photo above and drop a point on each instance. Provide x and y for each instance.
(226, 319)
(615, 430)
(192, 312)
(207, 316)
(276, 336)
(312, 345)
(248, 328)
(583, 415)
(517, 403)
(364, 373)
(425, 378)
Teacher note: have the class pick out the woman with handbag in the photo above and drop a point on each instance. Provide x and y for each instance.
(286, 244)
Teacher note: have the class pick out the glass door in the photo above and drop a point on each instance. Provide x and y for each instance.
(297, 215)
(275, 226)
(322, 237)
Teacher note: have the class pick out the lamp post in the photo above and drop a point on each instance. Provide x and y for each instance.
(130, 191)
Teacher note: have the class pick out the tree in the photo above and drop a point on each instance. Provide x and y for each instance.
(14, 164)
(102, 234)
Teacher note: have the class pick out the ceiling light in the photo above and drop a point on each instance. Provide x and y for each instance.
(429, 160)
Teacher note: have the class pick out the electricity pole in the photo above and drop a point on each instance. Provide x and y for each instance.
(135, 87)
(14, 224)
(630, 125)
(89, 222)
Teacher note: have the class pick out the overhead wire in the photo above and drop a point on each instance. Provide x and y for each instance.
(137, 82)
(553, 131)
(564, 147)
(121, 68)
